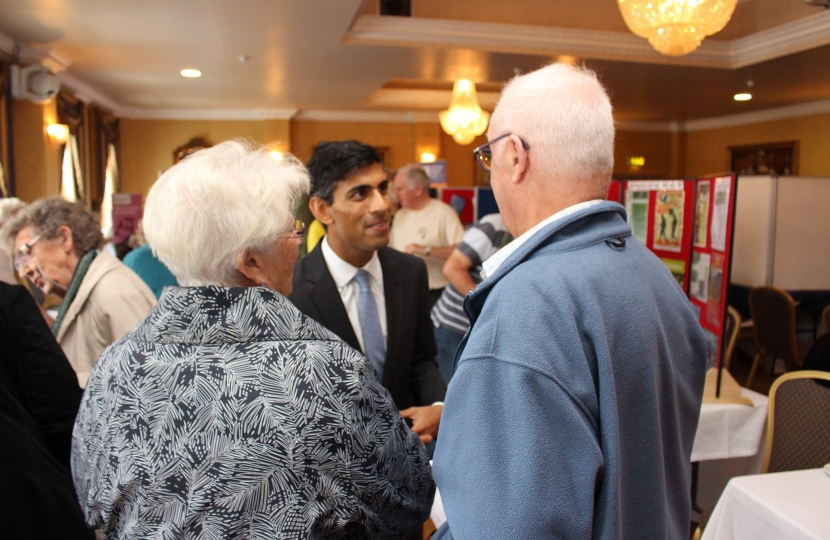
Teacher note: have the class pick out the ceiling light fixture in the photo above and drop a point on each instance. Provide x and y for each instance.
(676, 27)
(464, 120)
(742, 97)
(191, 73)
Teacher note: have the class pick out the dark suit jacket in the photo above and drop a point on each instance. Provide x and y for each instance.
(410, 373)
(39, 398)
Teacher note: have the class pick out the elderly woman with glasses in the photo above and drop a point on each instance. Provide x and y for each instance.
(227, 413)
(57, 247)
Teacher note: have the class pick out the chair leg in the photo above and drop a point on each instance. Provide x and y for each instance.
(752, 371)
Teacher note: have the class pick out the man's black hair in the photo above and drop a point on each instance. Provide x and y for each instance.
(334, 161)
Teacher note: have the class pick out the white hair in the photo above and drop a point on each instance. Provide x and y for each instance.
(216, 203)
(9, 207)
(564, 114)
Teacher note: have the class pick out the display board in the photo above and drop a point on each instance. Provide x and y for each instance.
(486, 203)
(712, 257)
(661, 216)
(463, 201)
(615, 191)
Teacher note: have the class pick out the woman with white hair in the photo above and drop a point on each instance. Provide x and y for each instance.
(57, 247)
(227, 413)
(8, 208)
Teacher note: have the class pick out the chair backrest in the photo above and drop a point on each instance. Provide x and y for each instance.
(825, 319)
(798, 423)
(773, 314)
(732, 324)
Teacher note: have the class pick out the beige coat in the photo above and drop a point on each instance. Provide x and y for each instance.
(112, 299)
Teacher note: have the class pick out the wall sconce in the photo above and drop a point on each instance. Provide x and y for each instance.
(58, 133)
(276, 155)
(428, 157)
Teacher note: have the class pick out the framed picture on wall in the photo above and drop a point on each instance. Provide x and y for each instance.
(770, 159)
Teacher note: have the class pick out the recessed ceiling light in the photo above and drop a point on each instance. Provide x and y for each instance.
(742, 97)
(191, 73)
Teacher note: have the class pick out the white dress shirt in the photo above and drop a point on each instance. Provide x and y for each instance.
(343, 274)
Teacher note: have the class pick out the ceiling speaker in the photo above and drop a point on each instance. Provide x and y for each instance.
(35, 83)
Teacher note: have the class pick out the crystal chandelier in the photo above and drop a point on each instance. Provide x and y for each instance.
(676, 27)
(464, 120)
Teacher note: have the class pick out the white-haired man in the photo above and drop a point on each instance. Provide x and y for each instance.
(574, 403)
(424, 226)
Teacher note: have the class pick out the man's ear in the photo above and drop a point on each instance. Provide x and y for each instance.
(321, 210)
(249, 265)
(519, 159)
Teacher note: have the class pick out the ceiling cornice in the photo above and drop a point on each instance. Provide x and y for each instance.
(755, 117)
(788, 38)
(88, 94)
(207, 114)
(367, 116)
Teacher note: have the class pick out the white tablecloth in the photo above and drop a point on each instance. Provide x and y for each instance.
(729, 430)
(789, 505)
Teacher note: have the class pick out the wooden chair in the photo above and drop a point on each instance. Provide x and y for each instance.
(825, 319)
(798, 422)
(732, 325)
(773, 313)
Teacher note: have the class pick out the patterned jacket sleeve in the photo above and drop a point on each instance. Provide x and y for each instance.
(390, 471)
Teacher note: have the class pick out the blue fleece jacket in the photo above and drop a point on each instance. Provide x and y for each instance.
(577, 391)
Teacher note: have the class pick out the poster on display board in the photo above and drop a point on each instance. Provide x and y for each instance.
(661, 216)
(712, 258)
(126, 213)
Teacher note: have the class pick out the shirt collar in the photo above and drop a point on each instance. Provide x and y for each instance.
(342, 272)
(492, 264)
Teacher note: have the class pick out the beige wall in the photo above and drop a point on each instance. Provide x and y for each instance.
(400, 138)
(662, 152)
(36, 160)
(147, 146)
(708, 151)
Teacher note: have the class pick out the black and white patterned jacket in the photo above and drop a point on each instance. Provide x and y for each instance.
(227, 413)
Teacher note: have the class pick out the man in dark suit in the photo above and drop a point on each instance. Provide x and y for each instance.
(373, 297)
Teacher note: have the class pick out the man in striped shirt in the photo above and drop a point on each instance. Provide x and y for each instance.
(463, 270)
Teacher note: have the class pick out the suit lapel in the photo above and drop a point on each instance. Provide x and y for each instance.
(326, 299)
(393, 292)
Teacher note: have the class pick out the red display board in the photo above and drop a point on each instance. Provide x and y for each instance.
(661, 215)
(711, 260)
(463, 200)
(615, 191)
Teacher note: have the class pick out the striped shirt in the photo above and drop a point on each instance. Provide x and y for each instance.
(479, 243)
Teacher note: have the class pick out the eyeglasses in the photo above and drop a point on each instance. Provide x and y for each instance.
(23, 255)
(297, 232)
(484, 155)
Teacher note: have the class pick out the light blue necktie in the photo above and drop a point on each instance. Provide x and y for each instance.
(373, 344)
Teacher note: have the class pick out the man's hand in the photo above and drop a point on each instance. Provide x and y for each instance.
(416, 249)
(425, 421)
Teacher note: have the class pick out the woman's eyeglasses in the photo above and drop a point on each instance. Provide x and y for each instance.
(23, 254)
(298, 231)
(484, 155)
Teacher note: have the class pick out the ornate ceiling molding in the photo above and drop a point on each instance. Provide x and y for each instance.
(788, 38)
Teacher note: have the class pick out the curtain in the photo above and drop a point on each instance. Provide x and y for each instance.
(68, 180)
(6, 168)
(110, 187)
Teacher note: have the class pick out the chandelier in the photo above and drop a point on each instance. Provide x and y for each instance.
(676, 27)
(464, 120)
